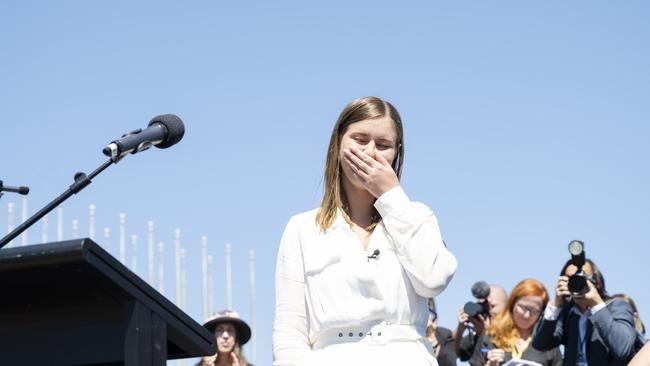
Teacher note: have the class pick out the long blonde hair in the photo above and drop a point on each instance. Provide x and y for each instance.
(503, 331)
(238, 354)
(358, 110)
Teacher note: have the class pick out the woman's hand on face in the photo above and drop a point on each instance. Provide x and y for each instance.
(495, 357)
(372, 171)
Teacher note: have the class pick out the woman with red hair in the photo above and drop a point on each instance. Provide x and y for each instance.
(509, 335)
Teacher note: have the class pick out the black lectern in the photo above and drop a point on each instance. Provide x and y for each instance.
(72, 303)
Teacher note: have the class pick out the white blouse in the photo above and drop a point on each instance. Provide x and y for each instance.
(325, 280)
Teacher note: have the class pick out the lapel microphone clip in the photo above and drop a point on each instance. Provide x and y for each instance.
(374, 255)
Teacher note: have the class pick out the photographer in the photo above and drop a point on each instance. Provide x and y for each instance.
(491, 305)
(594, 328)
(509, 334)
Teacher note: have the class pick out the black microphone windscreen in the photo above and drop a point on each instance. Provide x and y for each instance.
(23, 190)
(174, 126)
(481, 290)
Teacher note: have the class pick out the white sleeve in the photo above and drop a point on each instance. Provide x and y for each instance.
(594, 309)
(290, 329)
(551, 312)
(415, 235)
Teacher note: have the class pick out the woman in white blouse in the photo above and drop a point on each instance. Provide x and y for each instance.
(353, 276)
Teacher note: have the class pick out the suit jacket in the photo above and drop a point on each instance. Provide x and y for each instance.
(447, 354)
(551, 357)
(609, 339)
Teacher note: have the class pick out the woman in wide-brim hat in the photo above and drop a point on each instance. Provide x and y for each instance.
(231, 333)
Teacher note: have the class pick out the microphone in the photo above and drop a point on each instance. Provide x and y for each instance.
(20, 190)
(374, 255)
(162, 131)
(481, 290)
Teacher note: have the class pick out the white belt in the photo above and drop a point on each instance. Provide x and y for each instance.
(377, 334)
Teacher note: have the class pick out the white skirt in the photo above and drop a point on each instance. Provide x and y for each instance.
(409, 353)
(354, 347)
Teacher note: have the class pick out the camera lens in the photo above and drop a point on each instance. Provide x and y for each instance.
(578, 285)
(472, 309)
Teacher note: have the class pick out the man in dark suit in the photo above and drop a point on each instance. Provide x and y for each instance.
(465, 343)
(594, 328)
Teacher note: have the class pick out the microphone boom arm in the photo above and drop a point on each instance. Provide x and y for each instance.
(81, 180)
(163, 131)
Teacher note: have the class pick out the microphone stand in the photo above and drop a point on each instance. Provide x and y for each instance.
(20, 190)
(81, 180)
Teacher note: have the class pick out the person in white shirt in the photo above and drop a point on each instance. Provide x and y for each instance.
(353, 277)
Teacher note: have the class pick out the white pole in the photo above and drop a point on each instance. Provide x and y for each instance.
(177, 255)
(75, 228)
(183, 281)
(251, 281)
(107, 239)
(150, 253)
(46, 229)
(161, 267)
(123, 238)
(59, 223)
(91, 222)
(10, 220)
(210, 286)
(134, 253)
(23, 236)
(228, 277)
(204, 276)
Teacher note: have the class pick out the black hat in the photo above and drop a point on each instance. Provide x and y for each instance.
(229, 316)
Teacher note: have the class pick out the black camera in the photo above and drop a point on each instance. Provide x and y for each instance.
(481, 291)
(578, 281)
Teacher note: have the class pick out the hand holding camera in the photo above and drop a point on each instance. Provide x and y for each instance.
(477, 313)
(562, 291)
(591, 298)
(577, 284)
(478, 323)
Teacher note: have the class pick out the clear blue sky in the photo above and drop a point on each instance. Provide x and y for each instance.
(526, 125)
